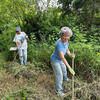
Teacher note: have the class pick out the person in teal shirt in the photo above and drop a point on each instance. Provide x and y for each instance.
(58, 60)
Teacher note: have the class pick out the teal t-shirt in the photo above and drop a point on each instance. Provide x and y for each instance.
(59, 47)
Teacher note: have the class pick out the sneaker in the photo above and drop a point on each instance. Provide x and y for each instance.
(60, 92)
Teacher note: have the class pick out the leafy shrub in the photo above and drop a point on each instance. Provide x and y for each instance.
(6, 41)
(86, 58)
(40, 54)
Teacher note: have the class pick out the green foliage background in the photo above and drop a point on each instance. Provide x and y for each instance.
(43, 29)
(43, 26)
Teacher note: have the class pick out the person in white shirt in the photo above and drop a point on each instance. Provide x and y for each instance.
(21, 44)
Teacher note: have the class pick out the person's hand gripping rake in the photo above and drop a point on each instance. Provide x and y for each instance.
(69, 67)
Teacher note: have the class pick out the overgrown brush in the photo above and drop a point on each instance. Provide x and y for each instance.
(86, 60)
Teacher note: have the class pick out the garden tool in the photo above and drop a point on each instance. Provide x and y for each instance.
(73, 78)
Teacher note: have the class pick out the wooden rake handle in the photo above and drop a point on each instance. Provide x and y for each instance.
(73, 78)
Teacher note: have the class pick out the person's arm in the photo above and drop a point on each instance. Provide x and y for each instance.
(15, 40)
(66, 63)
(71, 55)
(16, 44)
(68, 52)
(63, 58)
(25, 35)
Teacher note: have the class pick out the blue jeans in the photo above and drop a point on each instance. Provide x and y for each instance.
(23, 56)
(60, 72)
